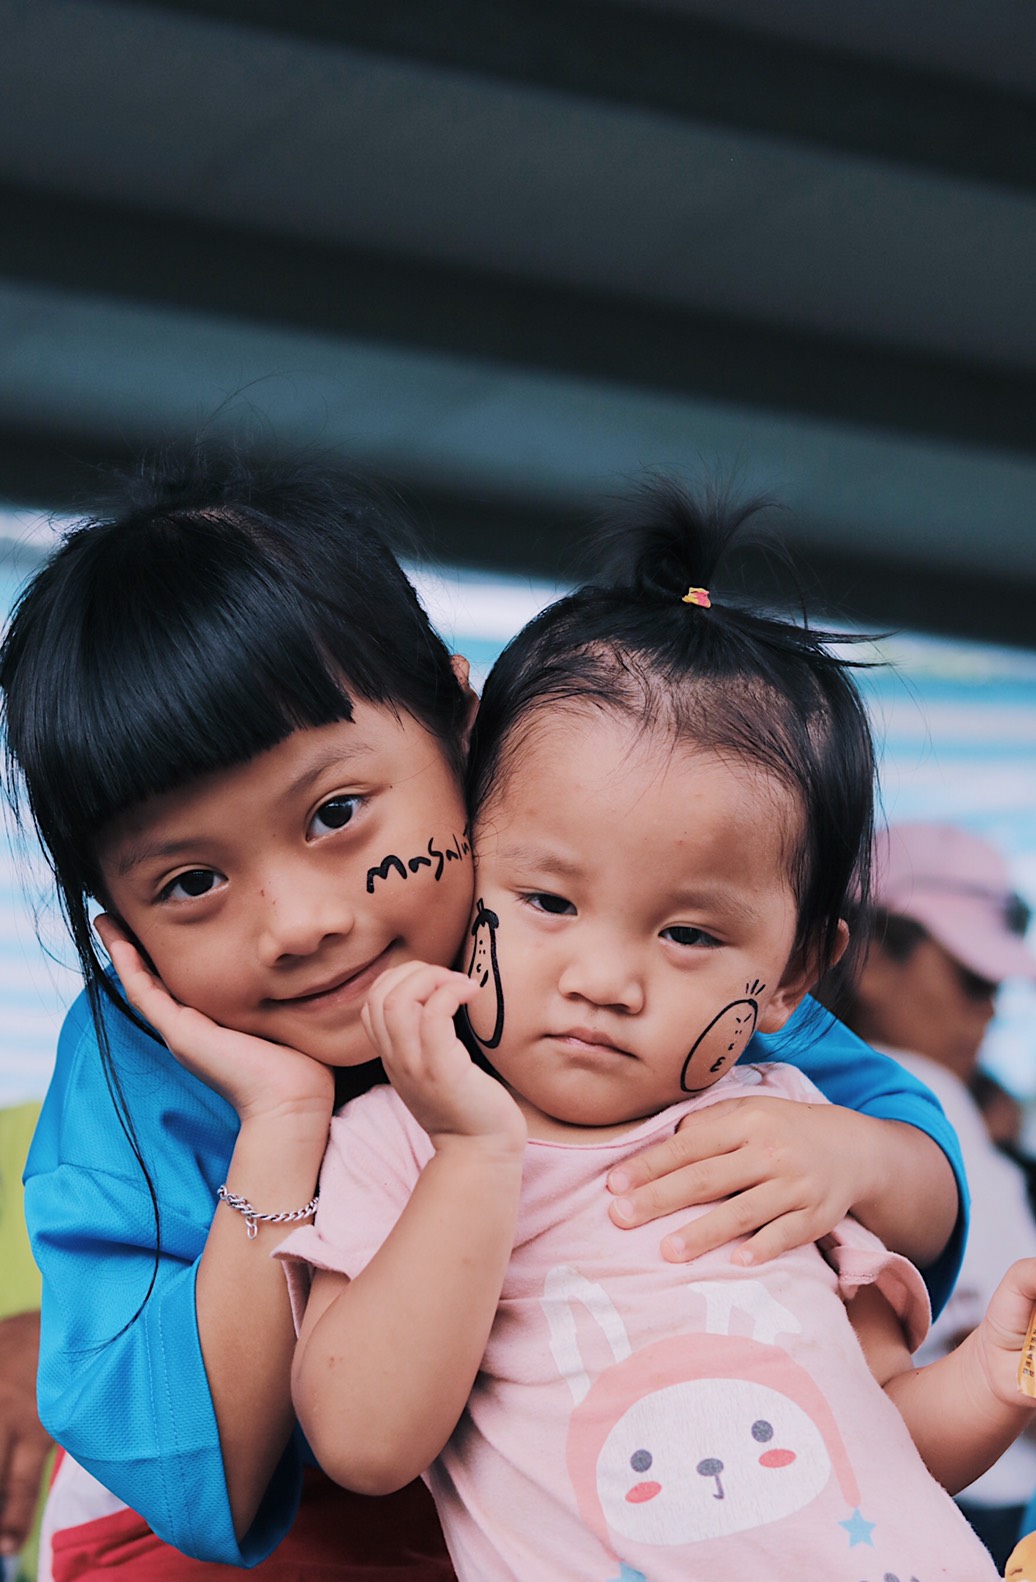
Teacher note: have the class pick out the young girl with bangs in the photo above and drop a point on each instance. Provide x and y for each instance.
(234, 731)
(671, 804)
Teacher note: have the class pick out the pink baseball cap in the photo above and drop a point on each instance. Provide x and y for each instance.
(957, 886)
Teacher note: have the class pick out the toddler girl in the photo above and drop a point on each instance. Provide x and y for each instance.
(671, 804)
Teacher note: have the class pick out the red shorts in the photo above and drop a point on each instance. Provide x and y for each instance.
(337, 1536)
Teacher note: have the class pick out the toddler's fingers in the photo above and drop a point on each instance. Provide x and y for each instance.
(422, 1020)
(400, 1017)
(413, 981)
(390, 997)
(440, 1044)
(1013, 1303)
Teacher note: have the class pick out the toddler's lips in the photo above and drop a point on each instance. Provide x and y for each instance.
(589, 1040)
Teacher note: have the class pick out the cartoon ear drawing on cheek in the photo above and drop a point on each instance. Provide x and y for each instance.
(722, 1042)
(488, 1009)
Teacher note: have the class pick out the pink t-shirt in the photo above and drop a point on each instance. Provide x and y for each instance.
(642, 1421)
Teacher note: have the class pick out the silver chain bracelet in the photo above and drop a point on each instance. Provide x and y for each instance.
(252, 1215)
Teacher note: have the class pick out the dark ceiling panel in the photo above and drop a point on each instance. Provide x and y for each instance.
(685, 66)
(146, 257)
(510, 254)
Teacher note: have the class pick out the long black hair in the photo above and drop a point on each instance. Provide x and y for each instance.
(726, 677)
(211, 606)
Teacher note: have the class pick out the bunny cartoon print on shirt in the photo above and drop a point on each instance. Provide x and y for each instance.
(701, 1436)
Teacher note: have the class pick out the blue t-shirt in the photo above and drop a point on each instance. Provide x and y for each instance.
(130, 1400)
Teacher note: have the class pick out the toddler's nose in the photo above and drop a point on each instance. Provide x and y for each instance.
(601, 972)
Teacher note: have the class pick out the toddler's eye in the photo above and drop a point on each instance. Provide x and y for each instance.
(189, 886)
(334, 814)
(684, 934)
(556, 905)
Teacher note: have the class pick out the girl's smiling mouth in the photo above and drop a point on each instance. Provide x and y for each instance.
(344, 986)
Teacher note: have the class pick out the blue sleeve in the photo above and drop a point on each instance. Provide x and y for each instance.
(125, 1391)
(851, 1073)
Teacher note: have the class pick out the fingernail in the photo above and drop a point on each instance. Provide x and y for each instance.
(674, 1249)
(618, 1181)
(743, 1257)
(622, 1208)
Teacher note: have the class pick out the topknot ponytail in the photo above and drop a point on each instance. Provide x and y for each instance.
(663, 539)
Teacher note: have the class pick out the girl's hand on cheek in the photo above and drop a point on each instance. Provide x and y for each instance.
(258, 1078)
(409, 1020)
(778, 1172)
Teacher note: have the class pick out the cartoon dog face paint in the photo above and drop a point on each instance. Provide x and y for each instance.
(723, 1041)
(484, 967)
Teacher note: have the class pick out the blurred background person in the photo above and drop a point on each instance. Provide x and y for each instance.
(946, 930)
(1004, 1115)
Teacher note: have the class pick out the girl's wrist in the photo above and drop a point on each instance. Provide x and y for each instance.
(276, 1160)
(298, 1111)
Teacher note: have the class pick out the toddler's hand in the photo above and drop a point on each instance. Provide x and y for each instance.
(256, 1077)
(782, 1169)
(1002, 1333)
(409, 1020)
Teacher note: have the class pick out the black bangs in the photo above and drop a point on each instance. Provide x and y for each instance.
(199, 627)
(191, 659)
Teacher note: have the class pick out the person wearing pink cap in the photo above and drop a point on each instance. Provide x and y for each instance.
(948, 928)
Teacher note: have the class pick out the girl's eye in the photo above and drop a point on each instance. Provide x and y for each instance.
(335, 814)
(685, 934)
(190, 885)
(556, 905)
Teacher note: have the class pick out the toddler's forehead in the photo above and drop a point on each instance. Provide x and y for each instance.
(583, 747)
(546, 740)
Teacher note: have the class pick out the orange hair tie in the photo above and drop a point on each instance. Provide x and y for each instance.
(697, 596)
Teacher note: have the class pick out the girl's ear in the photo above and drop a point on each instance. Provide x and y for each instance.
(462, 671)
(801, 975)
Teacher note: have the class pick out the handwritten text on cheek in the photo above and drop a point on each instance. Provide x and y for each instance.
(432, 857)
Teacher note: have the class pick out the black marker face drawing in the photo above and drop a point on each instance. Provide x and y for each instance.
(486, 1016)
(723, 1041)
(436, 858)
